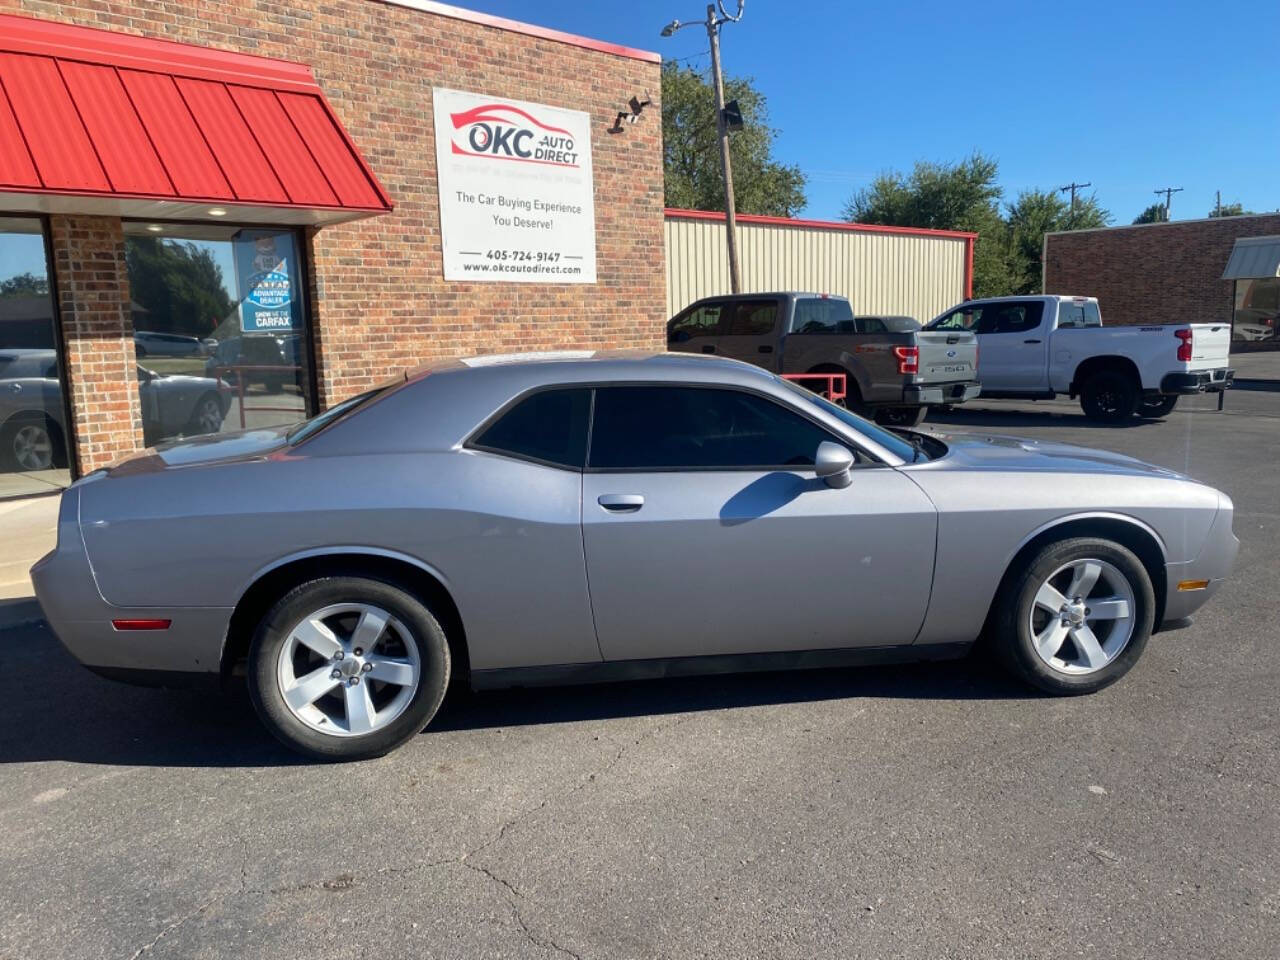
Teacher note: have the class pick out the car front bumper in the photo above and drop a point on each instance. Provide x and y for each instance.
(1213, 565)
(937, 394)
(1201, 381)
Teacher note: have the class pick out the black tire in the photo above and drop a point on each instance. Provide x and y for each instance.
(139, 351)
(16, 425)
(1109, 396)
(901, 416)
(273, 385)
(1160, 405)
(203, 419)
(422, 629)
(1012, 639)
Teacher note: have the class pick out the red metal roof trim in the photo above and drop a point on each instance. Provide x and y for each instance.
(528, 29)
(677, 214)
(89, 112)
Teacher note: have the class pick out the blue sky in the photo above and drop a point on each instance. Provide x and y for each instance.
(1129, 96)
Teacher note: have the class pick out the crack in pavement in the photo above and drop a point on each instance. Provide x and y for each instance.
(346, 881)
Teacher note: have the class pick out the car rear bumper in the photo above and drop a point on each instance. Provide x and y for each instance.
(1201, 381)
(83, 622)
(937, 394)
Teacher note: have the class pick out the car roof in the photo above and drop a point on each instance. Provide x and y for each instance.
(574, 366)
(1030, 296)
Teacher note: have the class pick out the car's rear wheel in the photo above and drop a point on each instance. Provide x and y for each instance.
(207, 416)
(346, 668)
(1157, 406)
(1109, 396)
(1077, 617)
(31, 441)
(901, 416)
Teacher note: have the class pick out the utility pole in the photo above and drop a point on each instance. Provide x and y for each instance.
(1073, 187)
(1168, 198)
(1217, 203)
(726, 168)
(713, 23)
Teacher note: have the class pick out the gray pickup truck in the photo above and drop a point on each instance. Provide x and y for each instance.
(895, 370)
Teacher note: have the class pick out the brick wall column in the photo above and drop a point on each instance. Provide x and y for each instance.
(97, 334)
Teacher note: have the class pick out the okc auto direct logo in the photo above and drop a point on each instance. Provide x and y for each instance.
(498, 131)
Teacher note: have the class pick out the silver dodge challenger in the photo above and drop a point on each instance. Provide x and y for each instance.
(552, 518)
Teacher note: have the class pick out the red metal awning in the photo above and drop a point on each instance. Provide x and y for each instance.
(95, 122)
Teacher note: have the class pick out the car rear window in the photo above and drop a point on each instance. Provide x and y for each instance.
(549, 426)
(823, 315)
(1074, 313)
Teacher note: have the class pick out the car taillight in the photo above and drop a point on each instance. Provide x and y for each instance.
(908, 359)
(1184, 345)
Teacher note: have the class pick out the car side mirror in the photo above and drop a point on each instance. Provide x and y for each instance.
(832, 464)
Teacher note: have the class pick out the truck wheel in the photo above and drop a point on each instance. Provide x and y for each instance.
(1158, 406)
(900, 416)
(1109, 396)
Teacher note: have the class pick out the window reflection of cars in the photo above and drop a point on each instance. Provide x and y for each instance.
(236, 357)
(147, 343)
(32, 423)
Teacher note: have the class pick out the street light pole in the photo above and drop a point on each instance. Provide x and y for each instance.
(712, 24)
(726, 166)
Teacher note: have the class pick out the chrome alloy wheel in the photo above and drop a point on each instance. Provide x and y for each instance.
(33, 447)
(348, 669)
(1082, 617)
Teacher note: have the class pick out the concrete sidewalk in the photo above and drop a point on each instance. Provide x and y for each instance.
(28, 530)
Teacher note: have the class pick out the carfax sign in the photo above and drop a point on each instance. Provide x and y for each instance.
(516, 203)
(265, 283)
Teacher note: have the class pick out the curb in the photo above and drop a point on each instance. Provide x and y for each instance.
(20, 613)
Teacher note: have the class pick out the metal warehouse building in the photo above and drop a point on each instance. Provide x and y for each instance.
(887, 270)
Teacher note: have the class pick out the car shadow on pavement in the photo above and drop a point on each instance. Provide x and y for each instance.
(62, 712)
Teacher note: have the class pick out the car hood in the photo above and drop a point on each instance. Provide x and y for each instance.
(212, 448)
(968, 451)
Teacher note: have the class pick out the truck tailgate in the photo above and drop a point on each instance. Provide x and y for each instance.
(1210, 346)
(947, 355)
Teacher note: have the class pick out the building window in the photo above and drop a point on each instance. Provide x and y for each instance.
(1256, 325)
(220, 328)
(33, 423)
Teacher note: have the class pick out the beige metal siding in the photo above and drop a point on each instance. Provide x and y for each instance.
(919, 276)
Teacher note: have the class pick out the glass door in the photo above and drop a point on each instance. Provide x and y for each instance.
(33, 424)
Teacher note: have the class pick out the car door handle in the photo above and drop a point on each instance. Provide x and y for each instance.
(708, 349)
(1030, 341)
(621, 502)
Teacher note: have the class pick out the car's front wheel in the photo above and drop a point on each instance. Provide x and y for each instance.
(1077, 617)
(347, 668)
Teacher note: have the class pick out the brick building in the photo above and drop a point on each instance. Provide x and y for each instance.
(245, 197)
(1169, 273)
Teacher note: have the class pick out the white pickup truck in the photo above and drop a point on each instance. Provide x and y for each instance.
(1037, 347)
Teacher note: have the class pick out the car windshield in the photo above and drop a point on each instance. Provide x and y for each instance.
(309, 428)
(889, 441)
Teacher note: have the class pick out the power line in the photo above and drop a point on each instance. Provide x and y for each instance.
(1073, 187)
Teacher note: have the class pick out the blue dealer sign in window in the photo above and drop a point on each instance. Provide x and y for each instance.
(266, 281)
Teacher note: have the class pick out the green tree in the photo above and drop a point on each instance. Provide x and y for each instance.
(1030, 217)
(691, 156)
(1153, 214)
(179, 284)
(942, 196)
(24, 285)
(1231, 210)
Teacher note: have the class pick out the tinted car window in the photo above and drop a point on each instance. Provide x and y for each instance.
(657, 428)
(814, 315)
(697, 321)
(869, 325)
(550, 426)
(965, 318)
(752, 318)
(1010, 317)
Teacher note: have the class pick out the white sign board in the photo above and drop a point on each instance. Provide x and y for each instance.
(516, 202)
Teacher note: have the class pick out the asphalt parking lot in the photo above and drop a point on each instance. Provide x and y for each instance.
(922, 811)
